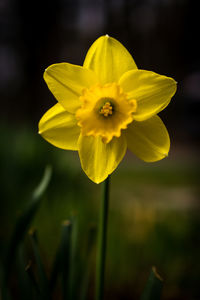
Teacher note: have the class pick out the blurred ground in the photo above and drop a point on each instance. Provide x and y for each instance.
(154, 212)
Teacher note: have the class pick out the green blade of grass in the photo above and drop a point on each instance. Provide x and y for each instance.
(24, 222)
(61, 261)
(42, 277)
(4, 292)
(25, 286)
(55, 271)
(153, 288)
(88, 263)
(33, 280)
(61, 265)
(65, 257)
(72, 287)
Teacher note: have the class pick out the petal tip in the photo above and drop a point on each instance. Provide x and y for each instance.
(45, 74)
(46, 69)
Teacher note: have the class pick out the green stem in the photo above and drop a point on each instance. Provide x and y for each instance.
(101, 250)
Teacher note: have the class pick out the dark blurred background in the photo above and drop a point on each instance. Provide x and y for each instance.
(154, 211)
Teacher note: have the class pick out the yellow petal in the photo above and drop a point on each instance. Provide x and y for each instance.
(152, 91)
(98, 159)
(66, 82)
(59, 127)
(148, 140)
(109, 59)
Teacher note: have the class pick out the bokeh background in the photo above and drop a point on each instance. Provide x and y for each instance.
(154, 208)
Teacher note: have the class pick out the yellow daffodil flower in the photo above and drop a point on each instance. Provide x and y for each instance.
(106, 106)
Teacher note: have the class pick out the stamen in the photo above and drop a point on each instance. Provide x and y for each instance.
(106, 109)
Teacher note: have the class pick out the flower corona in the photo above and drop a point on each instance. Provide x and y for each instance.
(105, 111)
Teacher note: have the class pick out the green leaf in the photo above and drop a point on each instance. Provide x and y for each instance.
(42, 277)
(72, 281)
(4, 292)
(24, 222)
(153, 288)
(36, 288)
(65, 257)
(88, 263)
(61, 265)
(25, 286)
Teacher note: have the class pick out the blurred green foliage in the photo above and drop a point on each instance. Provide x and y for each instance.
(153, 220)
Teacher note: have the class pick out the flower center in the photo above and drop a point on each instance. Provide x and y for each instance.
(105, 111)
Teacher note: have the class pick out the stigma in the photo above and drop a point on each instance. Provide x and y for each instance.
(106, 109)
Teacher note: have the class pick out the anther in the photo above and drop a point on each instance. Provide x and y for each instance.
(106, 109)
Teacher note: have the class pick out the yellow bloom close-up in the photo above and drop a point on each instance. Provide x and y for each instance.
(106, 106)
